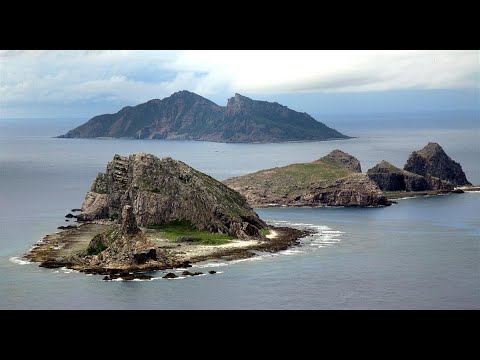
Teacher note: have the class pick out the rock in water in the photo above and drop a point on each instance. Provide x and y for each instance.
(170, 276)
(332, 180)
(163, 190)
(185, 115)
(432, 161)
(391, 178)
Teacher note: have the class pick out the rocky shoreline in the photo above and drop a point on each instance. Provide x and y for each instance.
(62, 249)
(393, 195)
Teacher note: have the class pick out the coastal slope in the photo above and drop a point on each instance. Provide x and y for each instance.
(187, 116)
(333, 180)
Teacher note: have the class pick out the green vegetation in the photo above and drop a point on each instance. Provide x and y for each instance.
(265, 232)
(114, 216)
(182, 230)
(289, 179)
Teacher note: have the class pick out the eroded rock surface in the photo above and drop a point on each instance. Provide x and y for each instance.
(432, 161)
(162, 190)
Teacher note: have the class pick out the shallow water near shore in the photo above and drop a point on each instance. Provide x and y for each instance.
(418, 254)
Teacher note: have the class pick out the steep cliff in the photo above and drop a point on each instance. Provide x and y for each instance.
(391, 178)
(185, 115)
(164, 190)
(432, 161)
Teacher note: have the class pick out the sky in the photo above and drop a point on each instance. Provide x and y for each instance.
(82, 84)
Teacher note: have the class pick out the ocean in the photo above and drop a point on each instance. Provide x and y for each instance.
(422, 253)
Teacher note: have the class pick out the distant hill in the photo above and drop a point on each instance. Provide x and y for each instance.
(188, 116)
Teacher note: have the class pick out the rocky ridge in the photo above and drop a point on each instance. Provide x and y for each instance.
(432, 161)
(391, 178)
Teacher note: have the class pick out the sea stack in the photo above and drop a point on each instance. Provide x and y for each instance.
(432, 161)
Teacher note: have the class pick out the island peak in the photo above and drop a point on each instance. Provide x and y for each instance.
(343, 159)
(432, 161)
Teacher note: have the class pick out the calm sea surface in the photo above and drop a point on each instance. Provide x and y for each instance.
(419, 254)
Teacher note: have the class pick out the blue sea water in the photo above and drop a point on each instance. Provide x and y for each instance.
(421, 253)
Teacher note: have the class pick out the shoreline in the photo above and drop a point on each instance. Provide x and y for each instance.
(61, 249)
(398, 195)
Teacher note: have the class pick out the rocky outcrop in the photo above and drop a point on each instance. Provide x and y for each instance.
(129, 223)
(433, 162)
(345, 160)
(185, 115)
(159, 191)
(322, 182)
(391, 178)
(123, 246)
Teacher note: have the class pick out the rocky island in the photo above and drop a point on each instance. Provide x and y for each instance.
(333, 180)
(188, 116)
(429, 171)
(145, 213)
(337, 180)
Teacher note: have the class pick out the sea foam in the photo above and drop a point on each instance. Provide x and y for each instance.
(19, 261)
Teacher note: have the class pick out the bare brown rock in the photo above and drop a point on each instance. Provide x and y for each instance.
(163, 190)
(345, 160)
(391, 178)
(432, 161)
(129, 223)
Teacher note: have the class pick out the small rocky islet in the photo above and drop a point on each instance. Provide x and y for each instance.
(147, 213)
(429, 171)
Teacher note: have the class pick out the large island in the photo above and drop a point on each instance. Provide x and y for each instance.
(188, 116)
(145, 213)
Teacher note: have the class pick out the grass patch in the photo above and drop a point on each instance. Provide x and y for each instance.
(294, 178)
(178, 229)
(264, 232)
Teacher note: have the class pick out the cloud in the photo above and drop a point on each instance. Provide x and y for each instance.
(348, 71)
(36, 78)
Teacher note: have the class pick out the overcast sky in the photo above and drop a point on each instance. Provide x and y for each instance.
(87, 83)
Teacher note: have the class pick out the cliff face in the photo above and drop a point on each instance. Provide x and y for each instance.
(163, 190)
(390, 178)
(327, 181)
(185, 115)
(432, 161)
